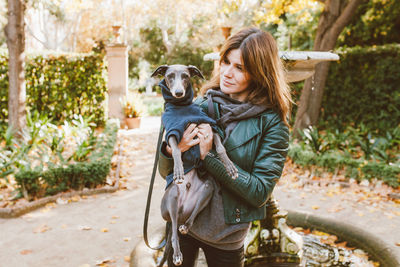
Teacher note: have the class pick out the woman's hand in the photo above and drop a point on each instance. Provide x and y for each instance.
(188, 139)
(205, 135)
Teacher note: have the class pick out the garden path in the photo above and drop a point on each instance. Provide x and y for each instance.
(103, 229)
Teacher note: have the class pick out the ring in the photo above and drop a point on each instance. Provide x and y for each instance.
(206, 136)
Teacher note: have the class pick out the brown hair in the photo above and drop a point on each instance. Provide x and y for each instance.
(260, 58)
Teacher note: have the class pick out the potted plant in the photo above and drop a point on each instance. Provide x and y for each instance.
(134, 108)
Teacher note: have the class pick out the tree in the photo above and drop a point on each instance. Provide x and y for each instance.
(15, 34)
(335, 16)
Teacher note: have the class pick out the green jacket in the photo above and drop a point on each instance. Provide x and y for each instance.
(258, 146)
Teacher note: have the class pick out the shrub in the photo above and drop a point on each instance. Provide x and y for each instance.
(75, 175)
(362, 155)
(60, 86)
(363, 87)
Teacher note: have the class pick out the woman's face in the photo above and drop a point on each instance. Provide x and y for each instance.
(234, 79)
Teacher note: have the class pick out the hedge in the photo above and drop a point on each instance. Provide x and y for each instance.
(364, 87)
(77, 175)
(60, 86)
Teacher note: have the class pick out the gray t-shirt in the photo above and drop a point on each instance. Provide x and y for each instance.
(210, 227)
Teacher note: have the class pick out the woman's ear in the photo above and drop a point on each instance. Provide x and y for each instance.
(194, 71)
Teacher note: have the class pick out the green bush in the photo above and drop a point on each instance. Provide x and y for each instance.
(363, 87)
(76, 175)
(60, 86)
(360, 153)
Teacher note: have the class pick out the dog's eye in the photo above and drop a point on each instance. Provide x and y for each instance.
(171, 76)
(185, 76)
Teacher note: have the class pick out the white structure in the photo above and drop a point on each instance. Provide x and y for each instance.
(117, 57)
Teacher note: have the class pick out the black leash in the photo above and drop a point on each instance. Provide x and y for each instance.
(153, 175)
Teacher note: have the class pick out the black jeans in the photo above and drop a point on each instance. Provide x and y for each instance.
(215, 257)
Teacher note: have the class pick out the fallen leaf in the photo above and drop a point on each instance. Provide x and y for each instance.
(113, 222)
(75, 198)
(398, 244)
(126, 239)
(84, 227)
(26, 252)
(104, 230)
(342, 244)
(315, 207)
(115, 217)
(127, 258)
(41, 229)
(360, 213)
(61, 201)
(101, 262)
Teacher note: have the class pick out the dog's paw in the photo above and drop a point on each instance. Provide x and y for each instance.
(183, 229)
(178, 258)
(231, 169)
(178, 175)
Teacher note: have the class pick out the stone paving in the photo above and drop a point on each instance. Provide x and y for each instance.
(102, 230)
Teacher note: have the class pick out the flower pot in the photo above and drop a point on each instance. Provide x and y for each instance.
(132, 123)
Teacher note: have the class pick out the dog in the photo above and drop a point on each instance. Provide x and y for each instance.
(187, 195)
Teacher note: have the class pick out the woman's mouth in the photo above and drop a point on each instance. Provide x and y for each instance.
(226, 83)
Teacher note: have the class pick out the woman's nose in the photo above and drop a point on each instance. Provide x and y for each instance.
(228, 71)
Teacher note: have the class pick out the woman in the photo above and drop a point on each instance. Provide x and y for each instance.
(250, 100)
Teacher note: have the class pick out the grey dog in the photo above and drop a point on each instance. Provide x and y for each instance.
(188, 194)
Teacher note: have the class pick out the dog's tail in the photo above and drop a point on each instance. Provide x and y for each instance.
(168, 245)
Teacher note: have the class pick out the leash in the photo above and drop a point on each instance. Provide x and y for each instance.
(146, 214)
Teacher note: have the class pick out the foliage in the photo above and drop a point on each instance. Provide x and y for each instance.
(362, 154)
(379, 24)
(60, 86)
(79, 171)
(363, 88)
(273, 11)
(185, 53)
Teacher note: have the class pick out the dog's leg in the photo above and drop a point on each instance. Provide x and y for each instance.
(205, 192)
(229, 166)
(177, 156)
(171, 204)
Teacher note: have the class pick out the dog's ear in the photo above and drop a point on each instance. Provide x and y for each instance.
(194, 71)
(160, 70)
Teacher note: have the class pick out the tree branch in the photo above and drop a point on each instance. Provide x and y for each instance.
(345, 17)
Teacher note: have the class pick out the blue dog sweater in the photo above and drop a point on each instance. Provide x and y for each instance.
(178, 114)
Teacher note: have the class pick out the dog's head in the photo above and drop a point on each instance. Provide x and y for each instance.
(177, 77)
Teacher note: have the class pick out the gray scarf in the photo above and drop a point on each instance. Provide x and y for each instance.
(232, 111)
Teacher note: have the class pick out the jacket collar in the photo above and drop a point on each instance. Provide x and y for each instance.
(242, 133)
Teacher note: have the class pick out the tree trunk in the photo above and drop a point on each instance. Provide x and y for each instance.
(336, 15)
(15, 33)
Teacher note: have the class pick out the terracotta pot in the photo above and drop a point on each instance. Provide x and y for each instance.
(132, 123)
(226, 31)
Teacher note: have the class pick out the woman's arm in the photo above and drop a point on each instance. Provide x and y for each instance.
(255, 187)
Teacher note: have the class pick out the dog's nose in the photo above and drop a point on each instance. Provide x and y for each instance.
(179, 93)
